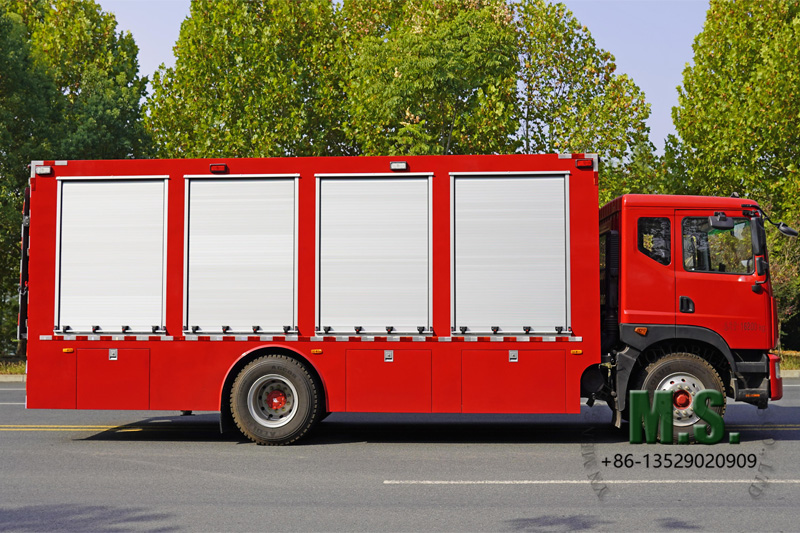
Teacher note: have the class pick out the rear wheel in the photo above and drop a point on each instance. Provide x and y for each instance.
(274, 400)
(684, 375)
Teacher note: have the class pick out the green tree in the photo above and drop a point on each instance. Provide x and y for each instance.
(273, 78)
(28, 110)
(252, 79)
(639, 172)
(26, 104)
(97, 71)
(571, 100)
(69, 89)
(737, 117)
(737, 108)
(738, 123)
(440, 79)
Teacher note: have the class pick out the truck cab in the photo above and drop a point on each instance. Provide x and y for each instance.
(686, 300)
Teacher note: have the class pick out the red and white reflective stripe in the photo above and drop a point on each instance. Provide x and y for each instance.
(296, 338)
(106, 338)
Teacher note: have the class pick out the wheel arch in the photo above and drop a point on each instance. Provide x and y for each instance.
(226, 422)
(641, 350)
(708, 352)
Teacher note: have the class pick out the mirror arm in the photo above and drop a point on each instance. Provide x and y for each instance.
(782, 227)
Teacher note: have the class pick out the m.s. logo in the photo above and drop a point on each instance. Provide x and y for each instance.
(649, 421)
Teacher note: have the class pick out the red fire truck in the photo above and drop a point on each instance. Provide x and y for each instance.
(279, 290)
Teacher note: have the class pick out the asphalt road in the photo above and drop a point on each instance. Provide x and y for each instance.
(155, 471)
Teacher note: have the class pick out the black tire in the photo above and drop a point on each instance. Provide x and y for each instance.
(275, 400)
(684, 374)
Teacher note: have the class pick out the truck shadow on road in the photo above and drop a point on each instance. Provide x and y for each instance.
(355, 427)
(484, 429)
(783, 423)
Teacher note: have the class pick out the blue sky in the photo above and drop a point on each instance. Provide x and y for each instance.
(651, 40)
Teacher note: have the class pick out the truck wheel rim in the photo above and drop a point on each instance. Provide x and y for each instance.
(683, 387)
(272, 401)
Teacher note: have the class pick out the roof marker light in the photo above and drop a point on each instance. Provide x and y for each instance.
(398, 165)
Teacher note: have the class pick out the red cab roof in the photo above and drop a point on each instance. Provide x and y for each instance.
(674, 201)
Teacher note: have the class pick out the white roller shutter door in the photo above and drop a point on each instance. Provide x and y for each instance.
(111, 247)
(241, 255)
(374, 254)
(510, 255)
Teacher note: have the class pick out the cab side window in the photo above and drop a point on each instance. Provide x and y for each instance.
(654, 239)
(706, 249)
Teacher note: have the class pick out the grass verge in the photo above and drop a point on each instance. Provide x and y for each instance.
(12, 367)
(790, 360)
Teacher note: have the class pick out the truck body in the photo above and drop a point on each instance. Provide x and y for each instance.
(277, 290)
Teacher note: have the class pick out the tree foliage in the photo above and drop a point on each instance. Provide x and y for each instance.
(252, 79)
(738, 120)
(69, 89)
(571, 99)
(96, 70)
(441, 79)
(275, 78)
(27, 96)
(737, 112)
(26, 116)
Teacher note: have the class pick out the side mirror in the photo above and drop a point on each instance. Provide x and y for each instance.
(786, 230)
(720, 221)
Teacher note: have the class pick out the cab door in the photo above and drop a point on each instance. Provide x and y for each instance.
(648, 290)
(716, 279)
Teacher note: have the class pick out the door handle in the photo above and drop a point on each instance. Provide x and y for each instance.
(686, 305)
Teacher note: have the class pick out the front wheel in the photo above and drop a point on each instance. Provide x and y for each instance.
(684, 375)
(274, 400)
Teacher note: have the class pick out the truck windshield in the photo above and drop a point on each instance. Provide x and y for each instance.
(706, 249)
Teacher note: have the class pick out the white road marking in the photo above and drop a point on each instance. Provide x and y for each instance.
(584, 481)
(12, 403)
